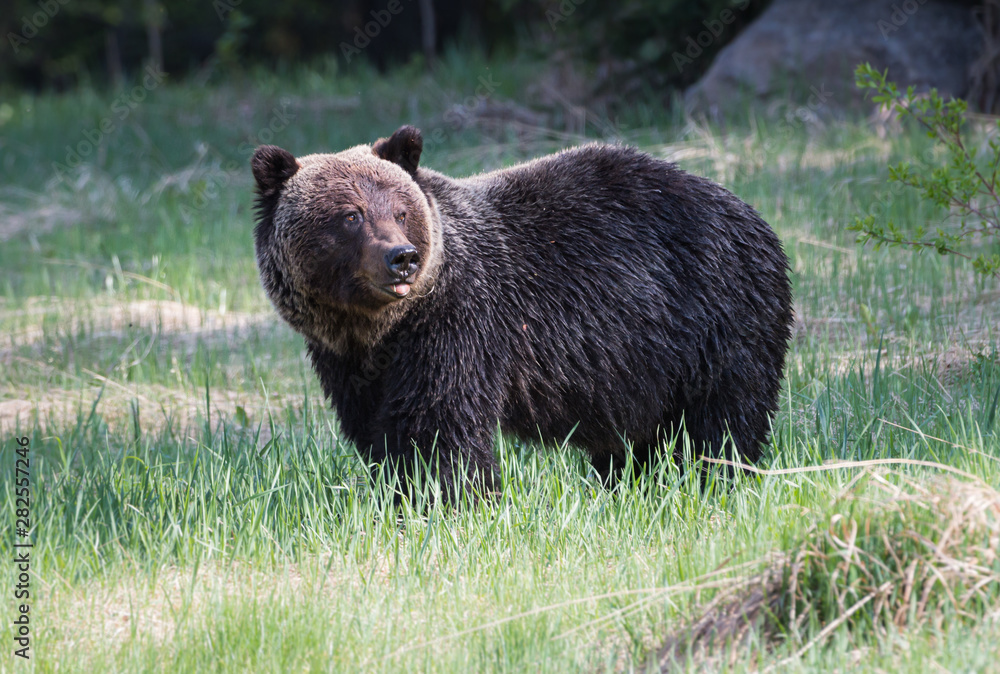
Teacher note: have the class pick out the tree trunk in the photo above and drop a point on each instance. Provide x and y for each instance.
(113, 57)
(428, 30)
(984, 88)
(153, 16)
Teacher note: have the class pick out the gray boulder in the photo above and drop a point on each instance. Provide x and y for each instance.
(803, 45)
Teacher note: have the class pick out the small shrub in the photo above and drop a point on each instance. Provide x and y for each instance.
(965, 184)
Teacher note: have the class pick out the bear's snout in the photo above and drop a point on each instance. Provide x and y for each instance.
(402, 261)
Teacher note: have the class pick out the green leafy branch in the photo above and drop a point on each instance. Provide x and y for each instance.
(959, 185)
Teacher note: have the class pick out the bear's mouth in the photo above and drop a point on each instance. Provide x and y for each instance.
(396, 289)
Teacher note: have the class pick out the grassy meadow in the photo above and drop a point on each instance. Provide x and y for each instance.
(193, 508)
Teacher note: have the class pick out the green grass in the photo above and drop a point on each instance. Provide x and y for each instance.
(195, 510)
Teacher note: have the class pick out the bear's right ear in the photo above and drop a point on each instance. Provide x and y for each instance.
(402, 148)
(272, 166)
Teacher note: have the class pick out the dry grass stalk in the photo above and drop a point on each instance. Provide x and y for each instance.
(916, 554)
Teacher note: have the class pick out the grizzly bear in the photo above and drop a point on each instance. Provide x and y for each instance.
(598, 293)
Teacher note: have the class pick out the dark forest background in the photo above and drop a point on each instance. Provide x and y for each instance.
(60, 44)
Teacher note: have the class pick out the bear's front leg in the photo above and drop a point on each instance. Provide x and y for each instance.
(440, 409)
(447, 441)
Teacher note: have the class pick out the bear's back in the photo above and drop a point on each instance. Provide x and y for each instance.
(608, 275)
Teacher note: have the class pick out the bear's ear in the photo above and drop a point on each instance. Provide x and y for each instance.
(272, 166)
(403, 148)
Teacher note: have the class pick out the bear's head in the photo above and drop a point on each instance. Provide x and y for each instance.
(345, 242)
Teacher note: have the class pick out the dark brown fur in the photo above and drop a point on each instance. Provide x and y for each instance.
(598, 289)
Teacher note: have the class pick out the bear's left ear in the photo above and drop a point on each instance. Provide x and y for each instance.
(403, 148)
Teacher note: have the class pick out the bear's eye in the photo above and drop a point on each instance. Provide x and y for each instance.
(401, 218)
(352, 218)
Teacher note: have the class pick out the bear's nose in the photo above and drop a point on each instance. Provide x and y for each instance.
(402, 261)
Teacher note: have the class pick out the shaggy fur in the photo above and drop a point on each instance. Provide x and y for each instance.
(599, 289)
